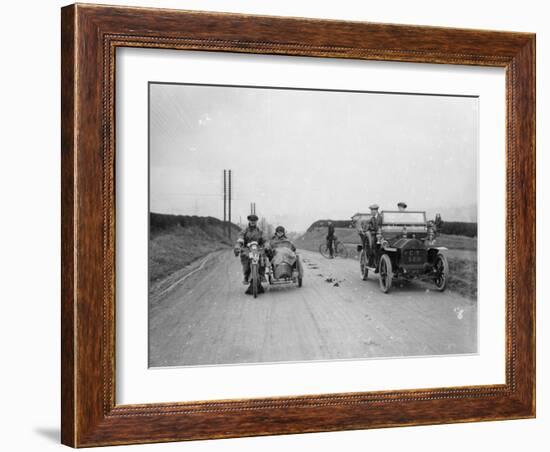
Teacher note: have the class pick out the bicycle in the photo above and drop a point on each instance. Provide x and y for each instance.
(338, 247)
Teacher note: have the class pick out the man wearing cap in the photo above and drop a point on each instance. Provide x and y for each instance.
(281, 252)
(376, 218)
(280, 238)
(249, 234)
(374, 223)
(401, 206)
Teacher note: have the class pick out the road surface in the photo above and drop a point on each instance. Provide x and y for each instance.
(203, 317)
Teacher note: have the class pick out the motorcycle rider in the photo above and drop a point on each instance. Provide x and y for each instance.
(249, 234)
(281, 253)
(280, 238)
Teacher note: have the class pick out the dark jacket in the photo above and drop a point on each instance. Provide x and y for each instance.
(375, 222)
(249, 234)
(330, 231)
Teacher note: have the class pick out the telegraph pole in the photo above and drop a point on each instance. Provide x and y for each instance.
(227, 196)
(229, 199)
(225, 200)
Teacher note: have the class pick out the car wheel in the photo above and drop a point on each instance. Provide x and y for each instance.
(441, 268)
(363, 265)
(385, 274)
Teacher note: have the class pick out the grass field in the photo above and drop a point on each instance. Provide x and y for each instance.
(461, 255)
(177, 241)
(457, 242)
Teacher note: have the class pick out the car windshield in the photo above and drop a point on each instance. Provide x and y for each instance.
(403, 217)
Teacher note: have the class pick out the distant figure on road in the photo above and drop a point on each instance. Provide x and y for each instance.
(249, 234)
(401, 206)
(438, 221)
(331, 238)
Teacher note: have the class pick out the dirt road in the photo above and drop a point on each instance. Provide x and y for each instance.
(206, 318)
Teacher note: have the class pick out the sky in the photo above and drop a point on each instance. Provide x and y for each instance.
(306, 155)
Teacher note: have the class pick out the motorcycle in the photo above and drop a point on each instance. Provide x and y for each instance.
(255, 257)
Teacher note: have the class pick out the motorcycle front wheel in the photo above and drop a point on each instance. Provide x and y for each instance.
(254, 278)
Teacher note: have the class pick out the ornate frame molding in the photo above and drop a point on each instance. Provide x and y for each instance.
(90, 37)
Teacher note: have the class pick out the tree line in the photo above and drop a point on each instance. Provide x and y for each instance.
(160, 221)
(459, 228)
(447, 227)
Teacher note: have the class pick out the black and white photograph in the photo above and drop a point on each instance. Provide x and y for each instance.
(292, 225)
(250, 226)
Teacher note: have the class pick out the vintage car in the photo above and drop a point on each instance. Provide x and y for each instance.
(403, 247)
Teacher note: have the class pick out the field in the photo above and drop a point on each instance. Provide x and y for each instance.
(178, 241)
(462, 255)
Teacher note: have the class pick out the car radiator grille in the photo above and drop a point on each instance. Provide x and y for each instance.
(414, 256)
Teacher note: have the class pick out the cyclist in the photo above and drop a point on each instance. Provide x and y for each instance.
(331, 239)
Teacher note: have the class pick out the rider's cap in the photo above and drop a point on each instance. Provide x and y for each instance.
(252, 217)
(279, 229)
(402, 204)
(373, 207)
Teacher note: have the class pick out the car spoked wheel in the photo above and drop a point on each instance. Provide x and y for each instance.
(363, 265)
(385, 274)
(441, 269)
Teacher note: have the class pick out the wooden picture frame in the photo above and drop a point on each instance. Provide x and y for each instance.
(90, 35)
